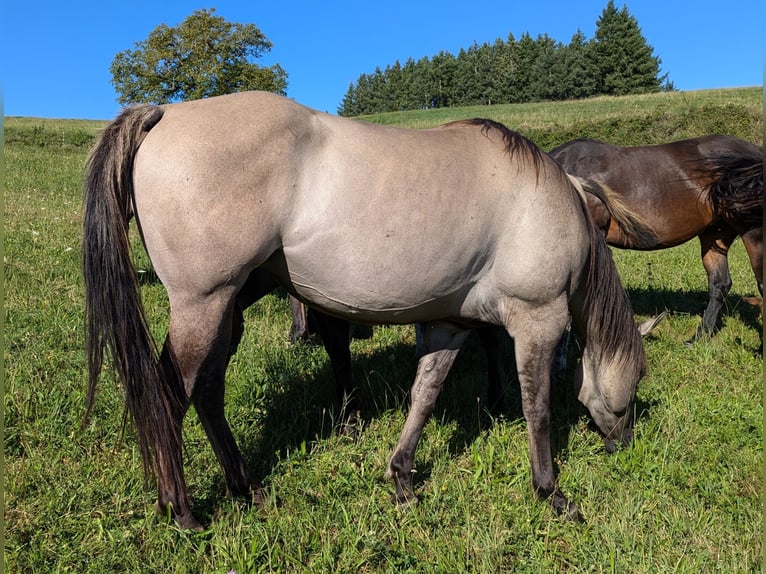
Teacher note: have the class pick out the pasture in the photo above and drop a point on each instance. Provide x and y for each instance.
(684, 497)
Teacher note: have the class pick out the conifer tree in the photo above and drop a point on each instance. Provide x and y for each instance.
(624, 61)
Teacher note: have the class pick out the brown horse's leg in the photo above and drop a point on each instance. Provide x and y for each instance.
(334, 333)
(714, 244)
(490, 339)
(441, 343)
(299, 330)
(753, 241)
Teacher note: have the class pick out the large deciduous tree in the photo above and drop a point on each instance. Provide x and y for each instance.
(203, 56)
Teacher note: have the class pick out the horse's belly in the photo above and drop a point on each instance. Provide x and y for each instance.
(380, 285)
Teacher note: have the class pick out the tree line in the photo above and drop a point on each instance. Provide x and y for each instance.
(206, 56)
(616, 61)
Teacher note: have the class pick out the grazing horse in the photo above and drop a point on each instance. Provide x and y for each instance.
(330, 208)
(708, 187)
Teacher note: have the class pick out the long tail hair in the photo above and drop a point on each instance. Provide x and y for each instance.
(737, 189)
(638, 234)
(115, 319)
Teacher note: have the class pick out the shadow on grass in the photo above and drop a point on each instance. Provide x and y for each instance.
(303, 410)
(652, 301)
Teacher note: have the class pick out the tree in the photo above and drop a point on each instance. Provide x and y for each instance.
(624, 60)
(204, 56)
(547, 74)
(578, 77)
(525, 53)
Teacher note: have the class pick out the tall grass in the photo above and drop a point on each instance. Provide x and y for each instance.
(683, 498)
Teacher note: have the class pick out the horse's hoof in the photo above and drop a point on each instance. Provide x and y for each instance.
(573, 514)
(259, 497)
(185, 521)
(405, 499)
(188, 522)
(563, 507)
(351, 426)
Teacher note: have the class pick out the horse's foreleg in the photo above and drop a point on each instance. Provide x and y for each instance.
(441, 343)
(535, 349)
(714, 245)
(334, 333)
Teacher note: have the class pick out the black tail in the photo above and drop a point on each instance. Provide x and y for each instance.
(115, 318)
(737, 189)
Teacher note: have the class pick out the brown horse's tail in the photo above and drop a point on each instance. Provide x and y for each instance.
(737, 188)
(115, 318)
(637, 233)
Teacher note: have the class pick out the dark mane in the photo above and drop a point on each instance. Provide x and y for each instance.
(613, 324)
(609, 322)
(514, 141)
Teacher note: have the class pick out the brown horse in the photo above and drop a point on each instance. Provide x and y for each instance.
(330, 209)
(708, 187)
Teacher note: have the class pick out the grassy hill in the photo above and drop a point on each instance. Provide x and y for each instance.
(625, 120)
(685, 497)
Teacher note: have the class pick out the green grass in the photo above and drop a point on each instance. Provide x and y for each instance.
(685, 497)
(626, 120)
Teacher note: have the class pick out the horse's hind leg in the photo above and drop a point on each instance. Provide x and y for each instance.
(441, 343)
(198, 345)
(753, 241)
(714, 244)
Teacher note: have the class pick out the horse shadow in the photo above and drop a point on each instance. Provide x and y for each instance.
(384, 377)
(303, 409)
(651, 301)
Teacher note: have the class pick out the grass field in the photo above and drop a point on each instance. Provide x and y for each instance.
(685, 497)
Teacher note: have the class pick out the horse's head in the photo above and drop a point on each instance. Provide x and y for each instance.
(608, 390)
(613, 359)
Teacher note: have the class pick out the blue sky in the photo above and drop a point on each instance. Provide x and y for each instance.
(56, 55)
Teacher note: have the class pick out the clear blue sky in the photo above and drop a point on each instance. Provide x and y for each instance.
(56, 55)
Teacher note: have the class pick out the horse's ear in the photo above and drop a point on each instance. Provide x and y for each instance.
(648, 326)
